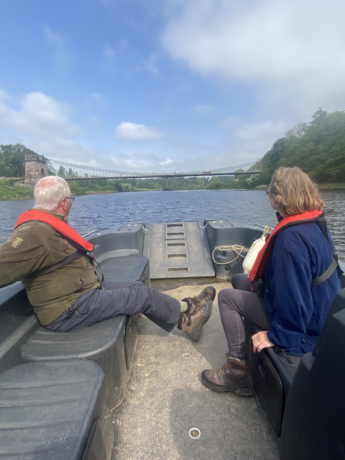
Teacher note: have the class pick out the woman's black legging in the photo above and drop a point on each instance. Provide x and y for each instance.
(237, 303)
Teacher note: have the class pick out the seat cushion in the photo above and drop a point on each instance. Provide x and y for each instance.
(48, 409)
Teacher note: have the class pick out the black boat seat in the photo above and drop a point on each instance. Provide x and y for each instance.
(110, 343)
(17, 324)
(313, 423)
(54, 411)
(274, 378)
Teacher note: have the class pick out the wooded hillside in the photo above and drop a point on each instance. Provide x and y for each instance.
(318, 148)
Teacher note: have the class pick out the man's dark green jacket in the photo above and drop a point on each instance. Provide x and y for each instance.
(35, 245)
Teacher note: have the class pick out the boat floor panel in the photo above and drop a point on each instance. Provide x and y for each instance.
(179, 250)
(165, 398)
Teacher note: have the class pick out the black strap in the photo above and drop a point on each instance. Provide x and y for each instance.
(101, 282)
(44, 271)
(325, 275)
(335, 264)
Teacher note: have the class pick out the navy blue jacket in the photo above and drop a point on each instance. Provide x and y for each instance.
(296, 310)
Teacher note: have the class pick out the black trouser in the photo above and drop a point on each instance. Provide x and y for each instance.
(238, 302)
(119, 299)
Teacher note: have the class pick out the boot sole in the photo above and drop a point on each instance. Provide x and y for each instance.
(207, 313)
(224, 389)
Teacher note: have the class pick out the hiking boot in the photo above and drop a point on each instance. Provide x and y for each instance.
(233, 376)
(209, 293)
(192, 321)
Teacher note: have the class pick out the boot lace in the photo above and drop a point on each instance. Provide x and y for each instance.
(220, 371)
(187, 318)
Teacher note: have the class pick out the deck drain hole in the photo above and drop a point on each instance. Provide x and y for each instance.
(186, 355)
(194, 433)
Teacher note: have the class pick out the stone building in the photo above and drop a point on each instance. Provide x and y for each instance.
(35, 168)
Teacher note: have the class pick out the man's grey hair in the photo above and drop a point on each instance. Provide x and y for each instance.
(49, 191)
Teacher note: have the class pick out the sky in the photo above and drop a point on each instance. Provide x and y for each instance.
(165, 85)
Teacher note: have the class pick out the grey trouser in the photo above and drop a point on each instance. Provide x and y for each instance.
(238, 302)
(119, 298)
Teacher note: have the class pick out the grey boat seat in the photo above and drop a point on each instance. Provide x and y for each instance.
(110, 343)
(54, 411)
(105, 343)
(126, 268)
(17, 324)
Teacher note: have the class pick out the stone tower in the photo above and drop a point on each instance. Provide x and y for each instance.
(35, 168)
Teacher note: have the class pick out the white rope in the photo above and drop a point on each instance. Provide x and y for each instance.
(236, 248)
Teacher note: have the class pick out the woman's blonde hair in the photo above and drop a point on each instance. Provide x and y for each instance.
(294, 191)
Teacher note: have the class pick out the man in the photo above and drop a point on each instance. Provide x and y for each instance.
(50, 258)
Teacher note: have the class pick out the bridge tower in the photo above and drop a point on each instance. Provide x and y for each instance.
(35, 168)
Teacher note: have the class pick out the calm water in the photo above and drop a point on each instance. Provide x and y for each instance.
(103, 211)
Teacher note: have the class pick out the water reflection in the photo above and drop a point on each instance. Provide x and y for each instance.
(103, 211)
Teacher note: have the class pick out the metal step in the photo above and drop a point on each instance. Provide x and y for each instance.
(178, 250)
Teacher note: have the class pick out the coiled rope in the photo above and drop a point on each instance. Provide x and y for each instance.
(236, 248)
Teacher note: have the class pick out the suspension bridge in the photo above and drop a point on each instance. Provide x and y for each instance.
(71, 171)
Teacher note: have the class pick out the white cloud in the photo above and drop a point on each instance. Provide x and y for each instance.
(204, 109)
(42, 124)
(133, 131)
(3, 95)
(39, 116)
(64, 53)
(266, 130)
(288, 52)
(166, 162)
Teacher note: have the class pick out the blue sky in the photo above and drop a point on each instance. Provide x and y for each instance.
(165, 85)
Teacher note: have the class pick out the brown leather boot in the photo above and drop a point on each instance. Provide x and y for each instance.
(192, 321)
(209, 293)
(233, 376)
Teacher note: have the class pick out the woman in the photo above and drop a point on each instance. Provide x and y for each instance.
(290, 288)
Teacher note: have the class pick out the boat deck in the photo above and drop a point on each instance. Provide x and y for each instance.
(165, 397)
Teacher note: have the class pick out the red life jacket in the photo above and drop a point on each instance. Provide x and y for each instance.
(258, 269)
(58, 225)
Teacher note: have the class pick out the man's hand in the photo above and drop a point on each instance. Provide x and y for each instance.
(260, 341)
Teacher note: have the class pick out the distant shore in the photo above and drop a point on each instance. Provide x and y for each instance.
(9, 191)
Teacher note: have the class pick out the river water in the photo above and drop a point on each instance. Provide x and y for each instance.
(250, 207)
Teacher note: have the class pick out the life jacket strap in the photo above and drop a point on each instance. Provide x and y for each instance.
(325, 275)
(44, 271)
(335, 264)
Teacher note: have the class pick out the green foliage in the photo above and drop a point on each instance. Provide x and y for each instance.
(82, 187)
(12, 160)
(11, 190)
(318, 148)
(62, 172)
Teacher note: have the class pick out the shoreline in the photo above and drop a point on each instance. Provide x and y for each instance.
(16, 193)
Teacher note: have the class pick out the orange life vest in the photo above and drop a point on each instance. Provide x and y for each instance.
(57, 224)
(258, 268)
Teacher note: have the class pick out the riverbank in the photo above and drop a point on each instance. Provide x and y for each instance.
(14, 189)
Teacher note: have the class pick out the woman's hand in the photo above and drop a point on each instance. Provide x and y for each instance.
(260, 341)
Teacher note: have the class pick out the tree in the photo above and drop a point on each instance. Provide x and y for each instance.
(318, 148)
(61, 171)
(297, 131)
(12, 159)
